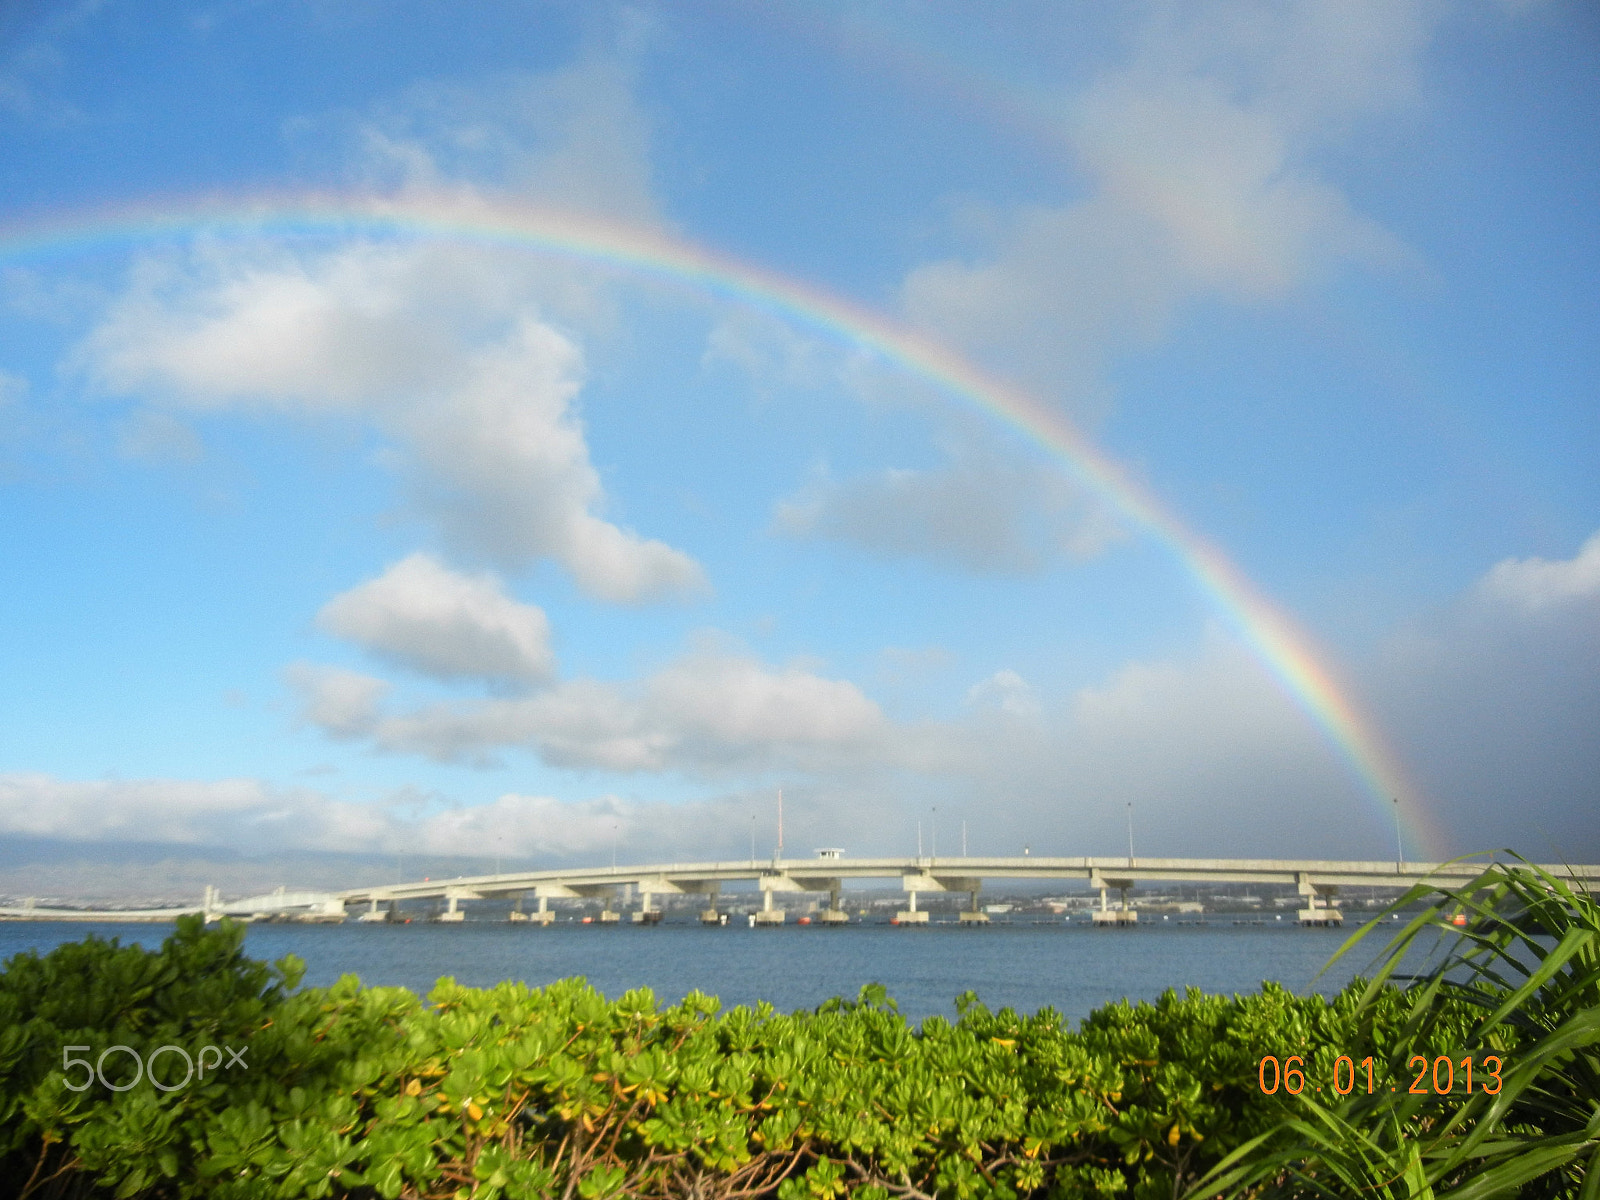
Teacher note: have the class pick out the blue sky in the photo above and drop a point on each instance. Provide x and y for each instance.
(338, 541)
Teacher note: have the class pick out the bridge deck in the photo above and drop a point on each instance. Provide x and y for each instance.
(914, 875)
(929, 874)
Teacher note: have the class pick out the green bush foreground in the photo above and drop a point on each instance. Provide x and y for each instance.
(557, 1092)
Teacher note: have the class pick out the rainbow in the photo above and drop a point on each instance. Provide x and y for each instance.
(1286, 651)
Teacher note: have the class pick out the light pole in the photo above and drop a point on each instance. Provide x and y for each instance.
(1130, 833)
(935, 847)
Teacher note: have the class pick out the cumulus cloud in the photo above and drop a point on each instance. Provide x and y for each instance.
(221, 821)
(1536, 584)
(341, 703)
(463, 359)
(709, 713)
(1199, 154)
(423, 615)
(506, 469)
(1492, 703)
(574, 138)
(253, 815)
(1006, 691)
(985, 513)
(225, 812)
(485, 426)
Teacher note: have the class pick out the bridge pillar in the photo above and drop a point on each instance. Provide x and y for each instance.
(646, 915)
(974, 915)
(709, 914)
(834, 914)
(1312, 914)
(770, 914)
(911, 915)
(452, 913)
(1106, 917)
(372, 913)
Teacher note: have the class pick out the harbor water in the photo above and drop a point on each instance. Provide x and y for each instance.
(1026, 966)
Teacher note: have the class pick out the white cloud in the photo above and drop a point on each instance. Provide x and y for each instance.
(709, 713)
(1537, 584)
(572, 139)
(772, 353)
(505, 468)
(339, 702)
(450, 351)
(271, 825)
(1492, 704)
(445, 624)
(485, 424)
(983, 513)
(1007, 691)
(1199, 157)
(316, 333)
(227, 812)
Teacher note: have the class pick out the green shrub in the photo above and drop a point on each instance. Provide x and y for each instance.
(532, 1092)
(1519, 980)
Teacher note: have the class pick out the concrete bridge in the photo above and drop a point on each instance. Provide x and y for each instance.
(301, 906)
(1317, 880)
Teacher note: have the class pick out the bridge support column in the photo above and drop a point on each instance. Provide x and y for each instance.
(543, 915)
(452, 913)
(646, 915)
(372, 913)
(911, 915)
(1313, 914)
(834, 914)
(770, 914)
(1106, 917)
(974, 915)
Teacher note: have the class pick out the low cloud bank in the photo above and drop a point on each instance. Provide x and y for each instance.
(1493, 702)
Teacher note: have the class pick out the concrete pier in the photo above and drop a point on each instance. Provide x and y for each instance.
(1112, 918)
(1106, 917)
(1324, 913)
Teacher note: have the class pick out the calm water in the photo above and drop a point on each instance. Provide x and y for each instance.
(1072, 969)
